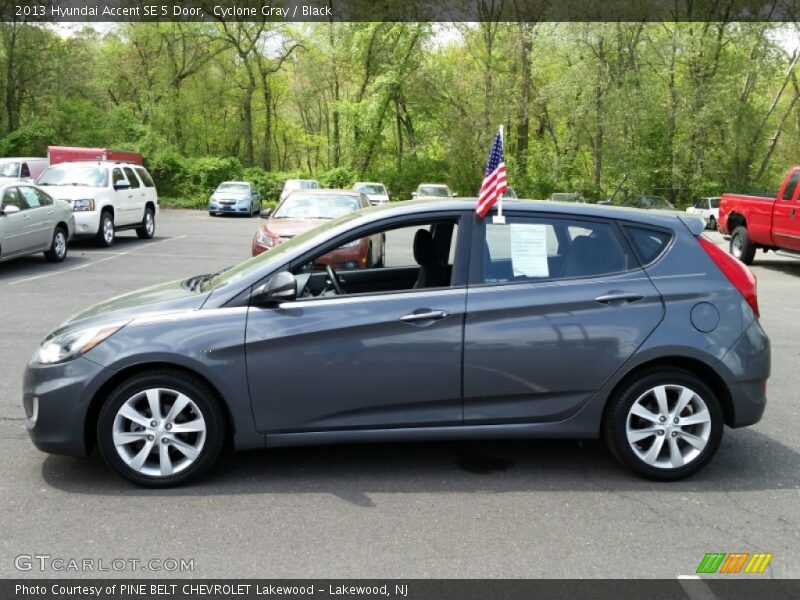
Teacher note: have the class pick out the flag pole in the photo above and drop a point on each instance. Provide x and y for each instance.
(499, 218)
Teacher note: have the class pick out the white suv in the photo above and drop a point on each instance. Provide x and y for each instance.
(105, 197)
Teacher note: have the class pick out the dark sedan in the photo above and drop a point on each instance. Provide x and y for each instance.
(565, 321)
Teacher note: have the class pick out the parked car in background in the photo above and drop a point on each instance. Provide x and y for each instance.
(304, 210)
(566, 197)
(766, 223)
(292, 185)
(21, 169)
(376, 192)
(31, 222)
(105, 197)
(708, 208)
(235, 197)
(61, 154)
(573, 321)
(433, 190)
(648, 203)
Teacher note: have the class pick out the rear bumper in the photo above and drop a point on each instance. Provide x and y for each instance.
(749, 361)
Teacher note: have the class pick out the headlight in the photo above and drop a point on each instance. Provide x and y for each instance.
(84, 204)
(69, 345)
(263, 239)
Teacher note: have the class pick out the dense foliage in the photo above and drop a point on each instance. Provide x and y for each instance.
(681, 109)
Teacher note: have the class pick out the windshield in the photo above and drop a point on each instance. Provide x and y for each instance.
(657, 202)
(9, 169)
(238, 188)
(300, 184)
(249, 266)
(371, 188)
(74, 175)
(434, 190)
(307, 206)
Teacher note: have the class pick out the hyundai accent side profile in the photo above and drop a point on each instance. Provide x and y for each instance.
(574, 321)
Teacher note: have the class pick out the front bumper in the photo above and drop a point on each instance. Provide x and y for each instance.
(87, 223)
(56, 399)
(242, 206)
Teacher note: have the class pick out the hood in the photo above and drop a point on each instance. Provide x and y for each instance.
(229, 196)
(380, 197)
(158, 299)
(71, 192)
(288, 228)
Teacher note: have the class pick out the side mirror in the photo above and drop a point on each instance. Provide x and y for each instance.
(281, 287)
(122, 185)
(9, 210)
(264, 214)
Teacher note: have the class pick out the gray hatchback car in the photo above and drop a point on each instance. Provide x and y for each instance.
(563, 322)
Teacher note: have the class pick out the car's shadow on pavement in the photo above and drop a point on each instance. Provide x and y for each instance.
(747, 460)
(788, 266)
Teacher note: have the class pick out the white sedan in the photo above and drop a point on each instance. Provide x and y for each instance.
(32, 222)
(708, 208)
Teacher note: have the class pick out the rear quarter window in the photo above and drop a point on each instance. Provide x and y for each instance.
(648, 243)
(145, 177)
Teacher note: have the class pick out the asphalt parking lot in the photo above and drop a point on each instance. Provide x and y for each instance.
(494, 509)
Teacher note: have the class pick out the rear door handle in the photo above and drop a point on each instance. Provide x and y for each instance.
(428, 315)
(618, 297)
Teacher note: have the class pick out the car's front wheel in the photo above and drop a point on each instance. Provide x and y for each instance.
(161, 428)
(58, 246)
(665, 425)
(105, 235)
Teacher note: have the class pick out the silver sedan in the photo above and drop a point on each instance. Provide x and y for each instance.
(32, 222)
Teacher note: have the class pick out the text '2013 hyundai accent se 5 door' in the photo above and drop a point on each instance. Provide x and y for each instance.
(574, 323)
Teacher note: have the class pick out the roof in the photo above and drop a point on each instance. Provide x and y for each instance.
(20, 158)
(326, 192)
(99, 163)
(650, 217)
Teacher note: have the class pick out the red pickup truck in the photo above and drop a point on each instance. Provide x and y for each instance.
(755, 222)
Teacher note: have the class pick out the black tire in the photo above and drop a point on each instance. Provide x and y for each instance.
(212, 214)
(204, 399)
(712, 223)
(148, 227)
(616, 420)
(382, 258)
(740, 245)
(58, 246)
(103, 239)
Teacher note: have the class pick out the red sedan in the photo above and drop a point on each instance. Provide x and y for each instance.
(304, 209)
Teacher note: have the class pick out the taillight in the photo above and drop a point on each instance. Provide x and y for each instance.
(739, 275)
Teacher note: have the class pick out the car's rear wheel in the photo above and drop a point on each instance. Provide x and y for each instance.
(665, 425)
(148, 227)
(161, 428)
(741, 247)
(105, 235)
(58, 247)
(712, 223)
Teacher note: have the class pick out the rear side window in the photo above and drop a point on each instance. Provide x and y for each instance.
(145, 177)
(534, 248)
(131, 177)
(648, 243)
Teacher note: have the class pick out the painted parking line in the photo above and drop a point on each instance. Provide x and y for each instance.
(92, 263)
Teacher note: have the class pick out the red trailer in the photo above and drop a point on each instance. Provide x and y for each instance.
(60, 154)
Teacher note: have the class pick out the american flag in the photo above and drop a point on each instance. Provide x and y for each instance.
(494, 178)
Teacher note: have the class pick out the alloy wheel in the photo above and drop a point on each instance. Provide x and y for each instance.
(108, 230)
(60, 244)
(668, 426)
(149, 223)
(159, 432)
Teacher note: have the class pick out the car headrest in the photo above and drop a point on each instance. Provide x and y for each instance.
(425, 248)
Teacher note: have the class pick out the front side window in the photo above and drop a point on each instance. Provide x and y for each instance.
(534, 249)
(9, 169)
(117, 176)
(30, 196)
(788, 192)
(82, 175)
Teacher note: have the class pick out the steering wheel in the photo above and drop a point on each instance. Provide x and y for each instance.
(334, 280)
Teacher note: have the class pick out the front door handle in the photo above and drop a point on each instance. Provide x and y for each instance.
(618, 297)
(427, 315)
